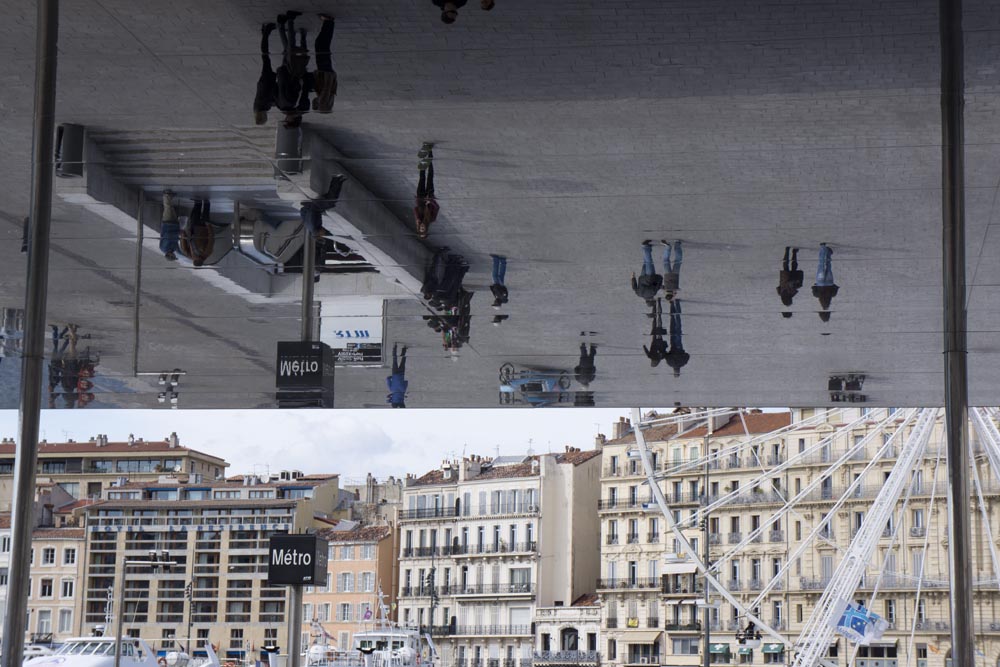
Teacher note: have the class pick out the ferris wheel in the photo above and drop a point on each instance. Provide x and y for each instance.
(865, 571)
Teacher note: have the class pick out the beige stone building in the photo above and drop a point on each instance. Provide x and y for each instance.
(217, 532)
(362, 563)
(54, 601)
(484, 542)
(650, 594)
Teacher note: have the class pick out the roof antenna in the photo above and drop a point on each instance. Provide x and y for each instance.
(498, 451)
(531, 451)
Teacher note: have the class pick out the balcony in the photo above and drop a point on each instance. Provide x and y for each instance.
(697, 587)
(490, 589)
(715, 539)
(609, 504)
(612, 539)
(757, 539)
(776, 536)
(653, 622)
(437, 630)
(734, 585)
(489, 549)
(755, 584)
(814, 583)
(917, 531)
(611, 622)
(652, 538)
(942, 625)
(775, 459)
(677, 626)
(633, 538)
(570, 657)
(428, 513)
(628, 583)
(735, 538)
(492, 630)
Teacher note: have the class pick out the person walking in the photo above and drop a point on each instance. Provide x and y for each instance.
(197, 239)
(790, 278)
(649, 281)
(170, 228)
(449, 9)
(676, 358)
(586, 370)
(313, 209)
(396, 382)
(426, 208)
(824, 288)
(499, 290)
(293, 92)
(267, 84)
(325, 77)
(672, 270)
(657, 349)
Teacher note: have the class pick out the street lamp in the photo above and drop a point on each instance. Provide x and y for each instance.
(156, 561)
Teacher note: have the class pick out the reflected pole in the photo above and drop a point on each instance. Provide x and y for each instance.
(33, 359)
(308, 280)
(956, 397)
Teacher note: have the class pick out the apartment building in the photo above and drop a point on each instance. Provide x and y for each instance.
(650, 592)
(217, 532)
(86, 469)
(362, 564)
(54, 603)
(485, 542)
(374, 501)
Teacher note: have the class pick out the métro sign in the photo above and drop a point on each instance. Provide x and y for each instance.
(304, 374)
(297, 560)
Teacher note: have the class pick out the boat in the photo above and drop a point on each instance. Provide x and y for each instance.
(100, 652)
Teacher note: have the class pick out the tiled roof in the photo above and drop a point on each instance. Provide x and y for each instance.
(58, 533)
(229, 483)
(361, 534)
(586, 600)
(86, 502)
(221, 503)
(146, 446)
(578, 457)
(756, 422)
(435, 477)
(526, 469)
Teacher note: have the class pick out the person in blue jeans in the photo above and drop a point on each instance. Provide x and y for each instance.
(499, 290)
(170, 228)
(649, 281)
(672, 271)
(824, 288)
(396, 383)
(676, 358)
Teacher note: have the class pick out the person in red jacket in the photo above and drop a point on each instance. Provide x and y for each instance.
(426, 209)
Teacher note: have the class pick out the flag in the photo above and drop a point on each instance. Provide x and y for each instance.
(933, 648)
(853, 623)
(368, 614)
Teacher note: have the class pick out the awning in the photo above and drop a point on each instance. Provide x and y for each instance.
(773, 648)
(680, 568)
(883, 642)
(641, 636)
(684, 601)
(743, 650)
(718, 648)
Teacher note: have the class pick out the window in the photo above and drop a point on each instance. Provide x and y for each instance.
(65, 620)
(265, 493)
(612, 650)
(53, 467)
(368, 582)
(44, 623)
(48, 556)
(345, 582)
(918, 518)
(798, 613)
(45, 588)
(224, 495)
(347, 553)
(72, 488)
(5, 544)
(167, 638)
(890, 610)
(66, 590)
(344, 612)
(236, 639)
(687, 646)
(368, 552)
(69, 556)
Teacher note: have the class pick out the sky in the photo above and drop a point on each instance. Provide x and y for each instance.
(350, 442)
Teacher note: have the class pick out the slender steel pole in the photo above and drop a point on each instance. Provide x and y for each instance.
(706, 657)
(294, 625)
(33, 360)
(120, 614)
(136, 299)
(955, 350)
(308, 278)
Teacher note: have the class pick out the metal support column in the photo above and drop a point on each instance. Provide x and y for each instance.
(706, 655)
(955, 350)
(136, 298)
(294, 625)
(120, 614)
(308, 282)
(33, 360)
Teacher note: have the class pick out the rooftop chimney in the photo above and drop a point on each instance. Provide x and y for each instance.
(131, 440)
(600, 440)
(620, 428)
(174, 440)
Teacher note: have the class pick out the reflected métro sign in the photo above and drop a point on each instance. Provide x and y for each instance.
(297, 560)
(303, 375)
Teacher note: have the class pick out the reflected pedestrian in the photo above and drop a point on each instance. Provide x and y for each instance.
(396, 382)
(676, 358)
(657, 349)
(586, 369)
(449, 9)
(487, 5)
(325, 77)
(825, 289)
(426, 208)
(672, 270)
(197, 238)
(170, 228)
(790, 278)
(267, 84)
(312, 210)
(649, 281)
(498, 288)
(293, 92)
